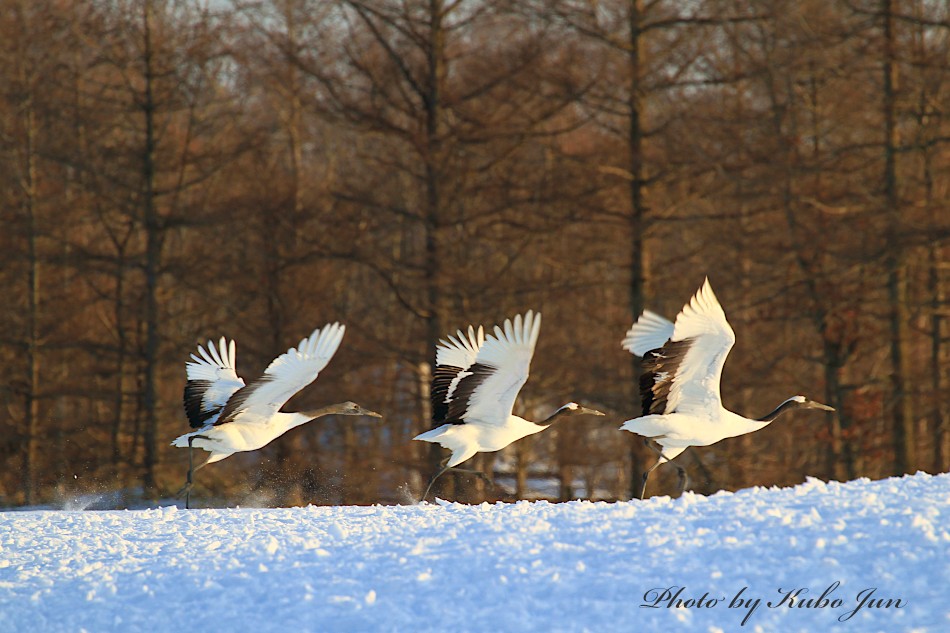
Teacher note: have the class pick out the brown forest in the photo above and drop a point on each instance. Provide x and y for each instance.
(172, 172)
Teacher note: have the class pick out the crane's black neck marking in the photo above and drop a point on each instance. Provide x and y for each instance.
(788, 405)
(554, 417)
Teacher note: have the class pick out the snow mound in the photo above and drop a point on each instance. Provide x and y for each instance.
(861, 556)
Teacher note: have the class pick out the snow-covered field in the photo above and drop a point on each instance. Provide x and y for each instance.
(659, 565)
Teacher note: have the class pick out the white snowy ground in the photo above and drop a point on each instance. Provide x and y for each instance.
(576, 566)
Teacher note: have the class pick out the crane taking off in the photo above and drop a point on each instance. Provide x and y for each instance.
(232, 417)
(474, 386)
(679, 384)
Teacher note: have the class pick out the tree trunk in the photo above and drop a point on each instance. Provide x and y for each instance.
(433, 199)
(941, 429)
(31, 406)
(120, 367)
(523, 460)
(903, 433)
(281, 244)
(566, 482)
(152, 257)
(637, 215)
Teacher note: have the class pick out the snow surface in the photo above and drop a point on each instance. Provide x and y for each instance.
(576, 566)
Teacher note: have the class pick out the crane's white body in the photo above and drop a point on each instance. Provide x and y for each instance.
(232, 417)
(477, 436)
(676, 432)
(693, 414)
(248, 433)
(683, 363)
(483, 376)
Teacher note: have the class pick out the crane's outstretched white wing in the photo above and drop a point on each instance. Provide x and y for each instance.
(211, 381)
(286, 375)
(486, 391)
(683, 375)
(452, 357)
(650, 332)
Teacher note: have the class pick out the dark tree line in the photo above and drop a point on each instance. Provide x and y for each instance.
(172, 172)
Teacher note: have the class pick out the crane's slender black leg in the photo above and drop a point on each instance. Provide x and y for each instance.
(646, 476)
(659, 460)
(445, 468)
(432, 481)
(186, 489)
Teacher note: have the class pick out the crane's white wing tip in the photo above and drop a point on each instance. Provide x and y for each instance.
(650, 331)
(702, 314)
(705, 299)
(461, 348)
(327, 340)
(218, 355)
(522, 329)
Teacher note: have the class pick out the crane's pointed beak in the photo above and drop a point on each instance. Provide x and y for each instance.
(817, 405)
(588, 411)
(371, 414)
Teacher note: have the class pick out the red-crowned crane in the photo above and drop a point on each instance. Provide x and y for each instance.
(679, 385)
(231, 417)
(474, 386)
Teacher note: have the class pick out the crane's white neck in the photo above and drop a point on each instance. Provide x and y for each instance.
(522, 427)
(740, 425)
(734, 424)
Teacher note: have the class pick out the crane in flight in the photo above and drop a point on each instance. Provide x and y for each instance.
(474, 386)
(679, 384)
(231, 417)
